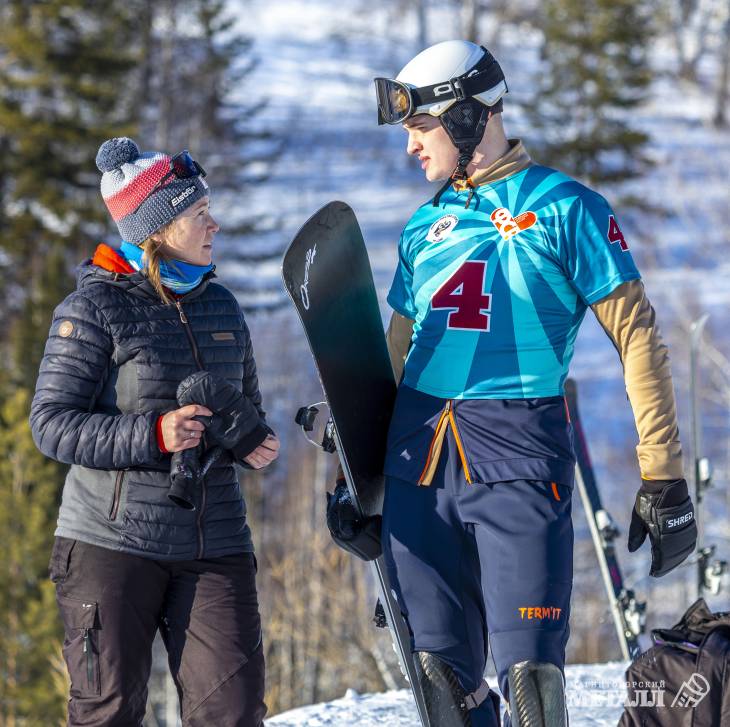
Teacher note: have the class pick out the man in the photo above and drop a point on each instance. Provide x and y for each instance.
(494, 277)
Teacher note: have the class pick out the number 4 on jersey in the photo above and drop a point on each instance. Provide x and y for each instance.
(615, 234)
(464, 294)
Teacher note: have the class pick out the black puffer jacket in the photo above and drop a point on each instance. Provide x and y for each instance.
(114, 358)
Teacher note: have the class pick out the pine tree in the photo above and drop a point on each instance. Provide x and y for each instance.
(63, 72)
(194, 83)
(32, 689)
(594, 73)
(62, 80)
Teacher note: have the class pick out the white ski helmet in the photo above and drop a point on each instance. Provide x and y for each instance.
(438, 77)
(458, 82)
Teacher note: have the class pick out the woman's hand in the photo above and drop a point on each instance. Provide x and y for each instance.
(265, 453)
(179, 429)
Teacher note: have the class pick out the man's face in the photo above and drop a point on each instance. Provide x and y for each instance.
(428, 140)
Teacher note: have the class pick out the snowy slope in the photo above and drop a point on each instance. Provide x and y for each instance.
(595, 694)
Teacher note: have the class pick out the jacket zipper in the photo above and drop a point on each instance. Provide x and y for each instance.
(113, 512)
(191, 339)
(196, 356)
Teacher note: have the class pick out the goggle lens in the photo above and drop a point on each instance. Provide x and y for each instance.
(395, 103)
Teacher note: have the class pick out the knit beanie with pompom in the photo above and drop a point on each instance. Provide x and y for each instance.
(128, 178)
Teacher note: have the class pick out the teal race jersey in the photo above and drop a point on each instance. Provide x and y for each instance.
(498, 289)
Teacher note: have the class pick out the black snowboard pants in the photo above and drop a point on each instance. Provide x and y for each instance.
(112, 604)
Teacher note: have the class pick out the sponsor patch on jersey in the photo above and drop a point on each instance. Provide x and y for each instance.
(509, 226)
(442, 228)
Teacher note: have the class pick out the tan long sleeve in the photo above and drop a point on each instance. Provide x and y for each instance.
(630, 322)
(398, 337)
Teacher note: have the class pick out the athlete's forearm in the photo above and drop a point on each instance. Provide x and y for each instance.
(630, 322)
(398, 337)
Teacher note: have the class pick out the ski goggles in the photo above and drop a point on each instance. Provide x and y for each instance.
(182, 166)
(398, 101)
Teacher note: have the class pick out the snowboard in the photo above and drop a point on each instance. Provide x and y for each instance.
(326, 271)
(628, 613)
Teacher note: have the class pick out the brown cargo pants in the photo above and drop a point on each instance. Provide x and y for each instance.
(112, 604)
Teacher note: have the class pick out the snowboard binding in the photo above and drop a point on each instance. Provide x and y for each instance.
(349, 529)
(306, 418)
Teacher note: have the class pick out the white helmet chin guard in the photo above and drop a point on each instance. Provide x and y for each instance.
(456, 81)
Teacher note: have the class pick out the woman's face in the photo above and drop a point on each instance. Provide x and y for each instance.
(190, 235)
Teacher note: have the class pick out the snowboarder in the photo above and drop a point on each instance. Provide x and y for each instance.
(494, 277)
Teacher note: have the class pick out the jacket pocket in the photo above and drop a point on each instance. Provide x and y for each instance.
(81, 645)
(117, 496)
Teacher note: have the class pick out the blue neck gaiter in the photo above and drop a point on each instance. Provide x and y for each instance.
(179, 276)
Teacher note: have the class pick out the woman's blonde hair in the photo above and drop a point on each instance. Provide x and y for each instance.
(152, 257)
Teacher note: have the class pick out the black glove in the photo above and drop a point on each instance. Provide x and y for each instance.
(236, 424)
(664, 510)
(184, 477)
(357, 535)
(186, 474)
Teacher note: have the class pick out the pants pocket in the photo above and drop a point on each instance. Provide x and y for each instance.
(60, 558)
(81, 644)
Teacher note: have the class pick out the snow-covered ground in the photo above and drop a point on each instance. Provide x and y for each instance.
(595, 695)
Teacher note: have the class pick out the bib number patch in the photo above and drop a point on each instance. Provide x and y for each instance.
(464, 294)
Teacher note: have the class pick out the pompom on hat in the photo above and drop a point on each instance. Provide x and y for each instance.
(127, 183)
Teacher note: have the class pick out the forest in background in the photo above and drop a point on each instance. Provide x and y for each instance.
(73, 74)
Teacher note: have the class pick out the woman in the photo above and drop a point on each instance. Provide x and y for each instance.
(126, 559)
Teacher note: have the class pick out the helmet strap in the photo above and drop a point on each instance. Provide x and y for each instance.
(465, 123)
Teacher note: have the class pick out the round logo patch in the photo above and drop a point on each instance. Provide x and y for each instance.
(442, 228)
(66, 329)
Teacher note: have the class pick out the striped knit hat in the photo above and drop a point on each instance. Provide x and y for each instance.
(128, 176)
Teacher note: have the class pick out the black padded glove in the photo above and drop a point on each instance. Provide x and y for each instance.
(185, 476)
(357, 535)
(664, 511)
(236, 424)
(186, 472)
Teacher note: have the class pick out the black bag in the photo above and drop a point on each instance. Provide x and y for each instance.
(684, 679)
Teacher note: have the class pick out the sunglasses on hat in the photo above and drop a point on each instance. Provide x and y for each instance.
(182, 166)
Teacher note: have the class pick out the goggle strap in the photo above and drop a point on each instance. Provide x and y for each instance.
(458, 88)
(488, 74)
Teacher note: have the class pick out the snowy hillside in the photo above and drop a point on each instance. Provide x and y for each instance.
(595, 694)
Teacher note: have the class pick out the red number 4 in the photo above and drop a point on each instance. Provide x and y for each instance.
(615, 234)
(464, 294)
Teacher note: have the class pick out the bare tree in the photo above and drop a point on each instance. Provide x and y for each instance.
(469, 19)
(689, 24)
(723, 83)
(422, 18)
